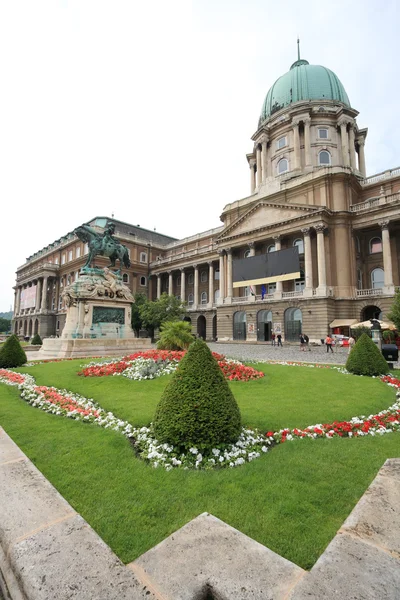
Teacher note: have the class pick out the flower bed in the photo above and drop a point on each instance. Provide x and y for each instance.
(155, 363)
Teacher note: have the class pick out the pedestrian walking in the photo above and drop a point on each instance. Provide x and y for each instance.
(279, 339)
(329, 342)
(306, 342)
(352, 341)
(302, 343)
(272, 339)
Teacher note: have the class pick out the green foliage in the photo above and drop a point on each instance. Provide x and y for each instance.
(197, 407)
(366, 359)
(388, 336)
(5, 325)
(36, 340)
(136, 319)
(358, 331)
(175, 335)
(166, 308)
(12, 355)
(394, 314)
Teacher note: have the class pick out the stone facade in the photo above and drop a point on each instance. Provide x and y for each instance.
(308, 188)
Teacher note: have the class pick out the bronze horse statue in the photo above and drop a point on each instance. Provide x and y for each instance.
(103, 245)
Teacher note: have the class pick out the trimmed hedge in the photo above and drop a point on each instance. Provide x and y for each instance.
(197, 408)
(12, 354)
(36, 340)
(365, 358)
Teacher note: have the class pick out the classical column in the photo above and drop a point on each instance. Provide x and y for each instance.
(221, 276)
(352, 148)
(38, 295)
(264, 146)
(361, 157)
(259, 167)
(57, 293)
(320, 229)
(277, 240)
(183, 285)
(170, 284)
(196, 285)
(252, 247)
(44, 294)
(296, 143)
(210, 282)
(158, 286)
(229, 273)
(252, 163)
(18, 304)
(387, 254)
(345, 144)
(307, 142)
(307, 259)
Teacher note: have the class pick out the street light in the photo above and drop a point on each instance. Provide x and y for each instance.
(376, 332)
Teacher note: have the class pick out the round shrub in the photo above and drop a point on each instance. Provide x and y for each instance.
(36, 340)
(12, 354)
(197, 407)
(366, 359)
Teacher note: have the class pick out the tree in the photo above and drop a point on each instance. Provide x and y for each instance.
(12, 354)
(5, 325)
(36, 340)
(365, 358)
(197, 408)
(394, 314)
(166, 308)
(175, 335)
(136, 319)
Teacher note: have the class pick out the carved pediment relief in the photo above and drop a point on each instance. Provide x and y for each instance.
(265, 214)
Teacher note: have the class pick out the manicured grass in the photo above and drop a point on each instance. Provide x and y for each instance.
(293, 499)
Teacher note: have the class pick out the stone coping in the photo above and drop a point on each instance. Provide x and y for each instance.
(48, 551)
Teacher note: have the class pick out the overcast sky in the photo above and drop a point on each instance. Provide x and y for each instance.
(146, 108)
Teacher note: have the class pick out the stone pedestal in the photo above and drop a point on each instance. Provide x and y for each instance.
(98, 319)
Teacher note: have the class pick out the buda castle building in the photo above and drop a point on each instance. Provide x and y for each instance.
(308, 188)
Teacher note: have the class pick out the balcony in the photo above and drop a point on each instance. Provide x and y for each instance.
(374, 202)
(381, 176)
(370, 292)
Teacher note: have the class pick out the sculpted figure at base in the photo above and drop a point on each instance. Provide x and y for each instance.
(103, 245)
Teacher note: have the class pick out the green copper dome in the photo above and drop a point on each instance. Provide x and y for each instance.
(303, 82)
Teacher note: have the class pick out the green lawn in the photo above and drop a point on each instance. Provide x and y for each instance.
(293, 499)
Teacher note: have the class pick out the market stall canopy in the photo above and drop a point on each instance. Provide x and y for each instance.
(343, 323)
(383, 324)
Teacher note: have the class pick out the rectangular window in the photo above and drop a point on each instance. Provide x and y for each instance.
(63, 259)
(86, 249)
(323, 134)
(78, 252)
(216, 275)
(56, 261)
(281, 143)
(143, 257)
(70, 256)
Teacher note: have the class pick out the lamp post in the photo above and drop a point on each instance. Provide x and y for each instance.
(376, 332)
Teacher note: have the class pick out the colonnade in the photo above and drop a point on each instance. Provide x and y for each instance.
(41, 295)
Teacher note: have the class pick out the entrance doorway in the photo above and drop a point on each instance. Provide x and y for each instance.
(239, 326)
(293, 324)
(371, 312)
(264, 325)
(201, 327)
(214, 327)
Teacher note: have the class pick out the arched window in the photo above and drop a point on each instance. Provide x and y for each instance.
(283, 166)
(203, 276)
(375, 245)
(125, 278)
(293, 322)
(190, 299)
(299, 283)
(239, 325)
(143, 281)
(246, 254)
(190, 279)
(271, 248)
(324, 158)
(203, 298)
(377, 278)
(264, 325)
(300, 245)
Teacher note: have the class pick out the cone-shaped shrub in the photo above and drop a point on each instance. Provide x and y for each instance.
(12, 354)
(197, 407)
(366, 359)
(36, 340)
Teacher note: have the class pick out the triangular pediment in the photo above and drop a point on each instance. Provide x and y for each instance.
(265, 214)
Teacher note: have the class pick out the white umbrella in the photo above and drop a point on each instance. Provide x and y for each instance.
(383, 324)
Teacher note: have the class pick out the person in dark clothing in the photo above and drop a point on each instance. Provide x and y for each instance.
(279, 339)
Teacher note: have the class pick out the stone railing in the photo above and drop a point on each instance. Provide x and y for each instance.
(259, 297)
(381, 176)
(237, 299)
(374, 202)
(370, 292)
(36, 271)
(295, 294)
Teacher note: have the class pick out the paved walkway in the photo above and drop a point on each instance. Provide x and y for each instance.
(254, 352)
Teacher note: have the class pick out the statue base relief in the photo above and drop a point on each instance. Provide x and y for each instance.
(98, 319)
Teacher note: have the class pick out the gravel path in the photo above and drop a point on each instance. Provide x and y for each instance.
(254, 352)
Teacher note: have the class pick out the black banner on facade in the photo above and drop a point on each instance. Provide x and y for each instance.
(281, 265)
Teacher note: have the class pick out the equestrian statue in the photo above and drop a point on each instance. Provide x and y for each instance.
(103, 245)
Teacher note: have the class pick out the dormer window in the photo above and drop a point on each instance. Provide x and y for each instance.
(281, 143)
(323, 134)
(283, 166)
